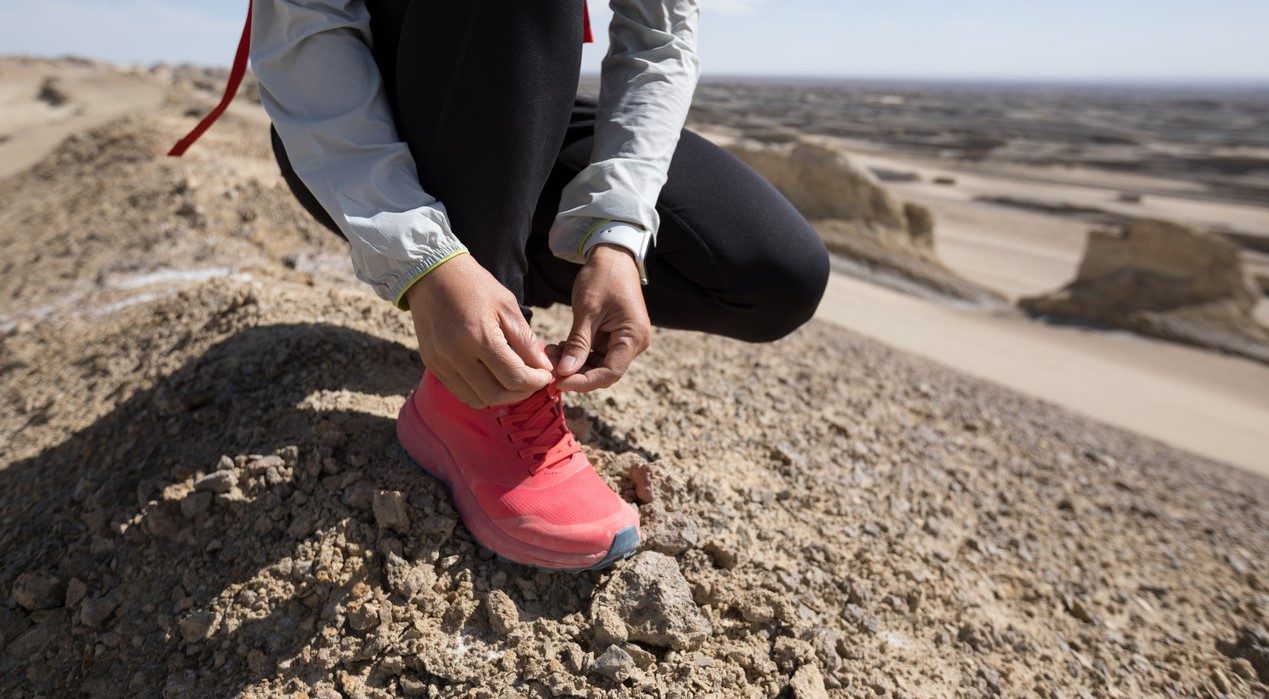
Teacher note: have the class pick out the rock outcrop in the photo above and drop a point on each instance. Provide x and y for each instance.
(1165, 280)
(873, 232)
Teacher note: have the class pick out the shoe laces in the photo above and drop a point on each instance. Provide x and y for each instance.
(547, 441)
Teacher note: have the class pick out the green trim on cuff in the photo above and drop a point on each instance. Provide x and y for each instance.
(401, 301)
(582, 245)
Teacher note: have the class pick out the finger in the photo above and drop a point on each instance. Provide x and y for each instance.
(524, 342)
(553, 353)
(490, 389)
(622, 350)
(590, 380)
(621, 353)
(504, 368)
(577, 347)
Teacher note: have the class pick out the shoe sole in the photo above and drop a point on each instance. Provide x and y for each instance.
(624, 543)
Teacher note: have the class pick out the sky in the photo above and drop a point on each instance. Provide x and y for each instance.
(1098, 40)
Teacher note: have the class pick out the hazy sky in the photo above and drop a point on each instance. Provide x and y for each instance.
(1081, 39)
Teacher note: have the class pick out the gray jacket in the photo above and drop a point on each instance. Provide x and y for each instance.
(320, 85)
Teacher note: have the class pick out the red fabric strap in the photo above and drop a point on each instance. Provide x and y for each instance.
(586, 35)
(235, 79)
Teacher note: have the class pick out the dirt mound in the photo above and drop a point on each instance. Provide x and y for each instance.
(201, 493)
(1165, 280)
(877, 235)
(107, 211)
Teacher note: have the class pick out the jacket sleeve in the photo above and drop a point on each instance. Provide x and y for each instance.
(646, 87)
(321, 87)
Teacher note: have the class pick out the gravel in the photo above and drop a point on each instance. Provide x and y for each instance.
(201, 495)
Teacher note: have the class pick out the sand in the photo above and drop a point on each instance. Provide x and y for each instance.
(1209, 404)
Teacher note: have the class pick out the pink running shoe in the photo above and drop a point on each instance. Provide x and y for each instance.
(521, 484)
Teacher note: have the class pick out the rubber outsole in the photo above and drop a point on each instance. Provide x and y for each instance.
(624, 543)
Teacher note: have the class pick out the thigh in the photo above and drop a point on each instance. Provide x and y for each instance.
(732, 257)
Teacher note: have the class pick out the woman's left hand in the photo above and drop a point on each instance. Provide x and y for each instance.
(610, 323)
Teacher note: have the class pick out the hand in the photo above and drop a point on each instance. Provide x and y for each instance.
(609, 319)
(473, 337)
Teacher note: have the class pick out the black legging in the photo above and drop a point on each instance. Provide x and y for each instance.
(484, 94)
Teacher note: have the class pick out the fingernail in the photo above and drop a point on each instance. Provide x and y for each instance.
(569, 364)
(546, 361)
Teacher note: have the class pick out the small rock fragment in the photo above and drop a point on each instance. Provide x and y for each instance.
(609, 629)
(258, 662)
(197, 626)
(1243, 668)
(363, 617)
(95, 611)
(670, 533)
(405, 579)
(264, 463)
(652, 597)
(196, 503)
(390, 512)
(615, 664)
(808, 683)
(723, 557)
(641, 476)
(34, 591)
(217, 482)
(642, 658)
(75, 592)
(1080, 611)
(504, 617)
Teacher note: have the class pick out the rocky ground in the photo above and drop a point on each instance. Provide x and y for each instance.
(201, 494)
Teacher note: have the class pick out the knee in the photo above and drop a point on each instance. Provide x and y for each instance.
(791, 284)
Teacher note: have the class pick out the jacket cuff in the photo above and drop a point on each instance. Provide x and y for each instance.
(419, 270)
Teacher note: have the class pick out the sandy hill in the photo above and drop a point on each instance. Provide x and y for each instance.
(201, 495)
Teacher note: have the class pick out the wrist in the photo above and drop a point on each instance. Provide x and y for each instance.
(442, 275)
(632, 241)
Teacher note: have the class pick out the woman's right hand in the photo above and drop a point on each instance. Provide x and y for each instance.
(473, 337)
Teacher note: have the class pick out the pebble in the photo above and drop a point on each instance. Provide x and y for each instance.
(640, 475)
(723, 556)
(196, 503)
(264, 463)
(1080, 611)
(390, 512)
(1243, 668)
(96, 610)
(650, 594)
(1221, 681)
(503, 615)
(363, 617)
(608, 629)
(75, 592)
(808, 683)
(642, 658)
(197, 626)
(615, 664)
(217, 482)
(33, 591)
(670, 533)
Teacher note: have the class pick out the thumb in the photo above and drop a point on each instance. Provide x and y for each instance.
(576, 348)
(525, 343)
